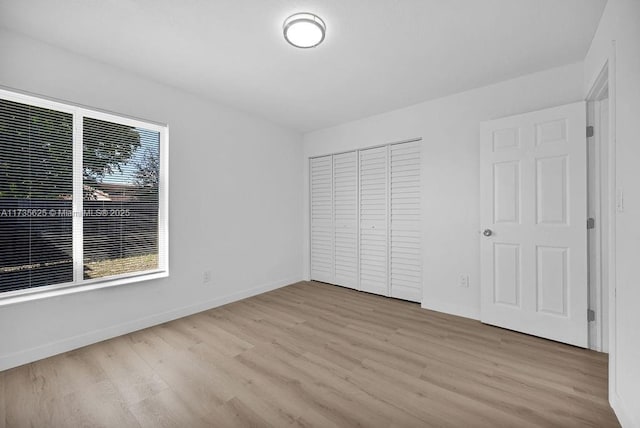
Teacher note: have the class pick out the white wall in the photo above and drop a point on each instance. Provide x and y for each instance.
(450, 169)
(235, 205)
(621, 22)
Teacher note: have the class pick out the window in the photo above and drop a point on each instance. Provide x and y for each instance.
(82, 197)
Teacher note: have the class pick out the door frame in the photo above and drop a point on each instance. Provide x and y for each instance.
(600, 196)
(607, 78)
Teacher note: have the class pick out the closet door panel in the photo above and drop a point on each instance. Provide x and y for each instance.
(374, 207)
(345, 205)
(322, 239)
(405, 221)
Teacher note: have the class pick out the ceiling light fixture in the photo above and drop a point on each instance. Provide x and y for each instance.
(304, 30)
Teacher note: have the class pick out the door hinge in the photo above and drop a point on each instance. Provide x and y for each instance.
(589, 131)
(591, 315)
(591, 223)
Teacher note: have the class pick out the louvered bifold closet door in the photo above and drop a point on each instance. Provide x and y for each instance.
(373, 221)
(405, 222)
(345, 206)
(321, 183)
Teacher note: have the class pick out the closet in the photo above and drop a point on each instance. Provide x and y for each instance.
(365, 227)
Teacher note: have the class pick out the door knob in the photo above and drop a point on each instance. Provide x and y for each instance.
(487, 232)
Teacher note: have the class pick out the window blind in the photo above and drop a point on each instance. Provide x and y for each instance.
(36, 155)
(121, 169)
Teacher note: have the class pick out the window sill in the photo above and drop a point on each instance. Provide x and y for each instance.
(22, 296)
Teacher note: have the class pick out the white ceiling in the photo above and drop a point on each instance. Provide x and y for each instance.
(378, 55)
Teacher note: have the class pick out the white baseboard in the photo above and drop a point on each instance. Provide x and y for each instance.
(53, 348)
(624, 417)
(450, 309)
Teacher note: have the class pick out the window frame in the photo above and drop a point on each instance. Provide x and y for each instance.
(79, 283)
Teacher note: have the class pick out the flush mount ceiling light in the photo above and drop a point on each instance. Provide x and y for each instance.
(304, 30)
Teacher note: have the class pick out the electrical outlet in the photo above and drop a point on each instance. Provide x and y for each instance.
(206, 276)
(463, 280)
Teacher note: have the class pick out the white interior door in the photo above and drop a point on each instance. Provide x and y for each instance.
(533, 209)
(374, 206)
(345, 206)
(321, 189)
(405, 247)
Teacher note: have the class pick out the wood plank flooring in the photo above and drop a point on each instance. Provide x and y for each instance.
(313, 355)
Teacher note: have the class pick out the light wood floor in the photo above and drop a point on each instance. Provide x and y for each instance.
(313, 355)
